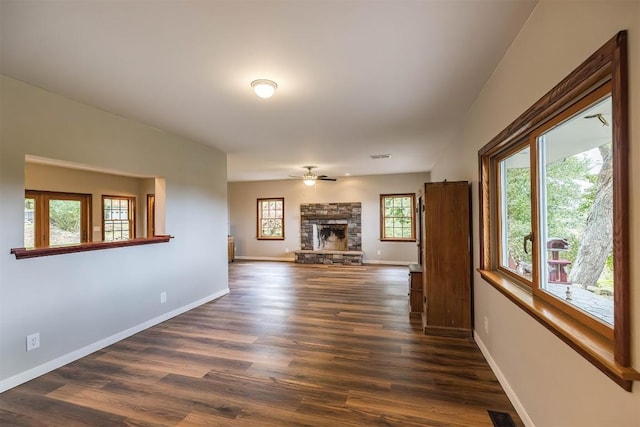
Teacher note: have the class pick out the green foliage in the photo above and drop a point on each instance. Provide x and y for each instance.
(570, 192)
(272, 227)
(65, 214)
(518, 200)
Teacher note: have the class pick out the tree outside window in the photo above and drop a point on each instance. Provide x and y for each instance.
(568, 165)
(554, 211)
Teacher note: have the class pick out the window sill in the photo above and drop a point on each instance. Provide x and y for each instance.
(398, 240)
(22, 253)
(597, 349)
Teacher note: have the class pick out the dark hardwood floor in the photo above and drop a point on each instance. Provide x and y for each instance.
(290, 345)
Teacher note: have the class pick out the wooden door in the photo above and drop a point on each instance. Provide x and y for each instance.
(151, 215)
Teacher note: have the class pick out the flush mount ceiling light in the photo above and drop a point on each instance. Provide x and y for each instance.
(264, 88)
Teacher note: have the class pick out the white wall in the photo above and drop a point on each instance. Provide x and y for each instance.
(548, 380)
(82, 301)
(364, 189)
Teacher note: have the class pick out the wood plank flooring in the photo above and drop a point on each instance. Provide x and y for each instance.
(291, 345)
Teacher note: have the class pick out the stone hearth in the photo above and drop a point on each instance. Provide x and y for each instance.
(329, 257)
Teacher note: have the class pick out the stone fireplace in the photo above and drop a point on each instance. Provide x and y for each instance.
(330, 233)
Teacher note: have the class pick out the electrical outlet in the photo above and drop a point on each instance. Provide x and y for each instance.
(33, 341)
(286, 250)
(379, 252)
(486, 325)
(163, 297)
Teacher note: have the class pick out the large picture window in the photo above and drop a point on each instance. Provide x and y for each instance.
(397, 217)
(565, 169)
(575, 212)
(554, 212)
(271, 219)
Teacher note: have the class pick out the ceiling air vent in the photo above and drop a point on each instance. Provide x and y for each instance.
(380, 156)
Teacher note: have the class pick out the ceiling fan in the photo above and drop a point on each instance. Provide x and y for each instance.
(310, 178)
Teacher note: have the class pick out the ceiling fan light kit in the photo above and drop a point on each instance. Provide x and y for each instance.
(264, 88)
(309, 178)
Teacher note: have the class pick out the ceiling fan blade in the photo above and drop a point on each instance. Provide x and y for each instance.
(296, 177)
(326, 178)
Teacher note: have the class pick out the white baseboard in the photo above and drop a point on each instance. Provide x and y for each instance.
(30, 374)
(381, 262)
(513, 397)
(266, 258)
(366, 261)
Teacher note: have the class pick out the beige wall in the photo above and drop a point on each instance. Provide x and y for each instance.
(53, 178)
(550, 383)
(364, 189)
(81, 302)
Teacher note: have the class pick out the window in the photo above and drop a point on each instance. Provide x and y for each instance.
(554, 209)
(29, 222)
(271, 219)
(55, 219)
(50, 222)
(397, 217)
(572, 188)
(515, 212)
(119, 218)
(575, 218)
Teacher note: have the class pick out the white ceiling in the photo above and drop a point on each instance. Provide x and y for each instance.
(355, 78)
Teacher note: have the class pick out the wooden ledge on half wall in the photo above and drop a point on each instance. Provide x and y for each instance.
(22, 253)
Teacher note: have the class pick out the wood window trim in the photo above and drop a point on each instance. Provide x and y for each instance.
(22, 253)
(413, 218)
(591, 345)
(611, 356)
(590, 99)
(259, 235)
(41, 221)
(132, 213)
(151, 215)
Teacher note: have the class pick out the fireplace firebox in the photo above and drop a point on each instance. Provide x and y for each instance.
(330, 237)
